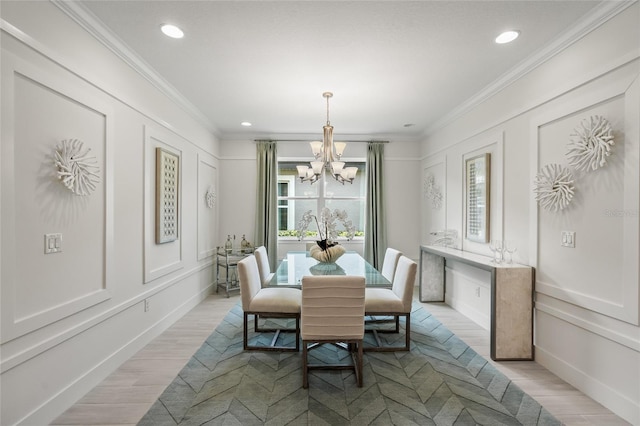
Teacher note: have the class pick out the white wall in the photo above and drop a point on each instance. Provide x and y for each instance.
(586, 319)
(71, 318)
(402, 162)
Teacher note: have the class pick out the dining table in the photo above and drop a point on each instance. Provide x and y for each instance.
(297, 264)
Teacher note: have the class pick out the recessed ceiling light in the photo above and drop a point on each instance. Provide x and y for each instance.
(507, 36)
(245, 124)
(172, 31)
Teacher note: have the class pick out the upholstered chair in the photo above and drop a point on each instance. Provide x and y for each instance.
(394, 302)
(332, 313)
(391, 257)
(268, 302)
(263, 265)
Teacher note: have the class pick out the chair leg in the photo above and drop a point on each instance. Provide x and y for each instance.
(305, 369)
(407, 330)
(272, 346)
(407, 341)
(245, 334)
(359, 365)
(298, 333)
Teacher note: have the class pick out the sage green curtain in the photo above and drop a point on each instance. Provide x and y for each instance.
(375, 234)
(266, 227)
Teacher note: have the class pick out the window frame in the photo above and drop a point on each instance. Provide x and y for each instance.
(322, 196)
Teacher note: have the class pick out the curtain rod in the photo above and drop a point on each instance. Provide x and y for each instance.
(312, 140)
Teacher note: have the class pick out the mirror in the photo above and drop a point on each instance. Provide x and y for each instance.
(477, 186)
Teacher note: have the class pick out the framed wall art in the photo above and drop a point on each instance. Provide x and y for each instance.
(477, 196)
(167, 165)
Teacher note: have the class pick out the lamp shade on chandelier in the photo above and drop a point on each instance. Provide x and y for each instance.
(326, 152)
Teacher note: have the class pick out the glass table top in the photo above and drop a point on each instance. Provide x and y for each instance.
(298, 264)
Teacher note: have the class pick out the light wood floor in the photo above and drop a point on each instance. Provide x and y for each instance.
(126, 395)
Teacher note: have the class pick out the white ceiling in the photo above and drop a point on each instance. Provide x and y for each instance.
(388, 63)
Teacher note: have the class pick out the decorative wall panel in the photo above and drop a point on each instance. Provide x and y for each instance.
(493, 145)
(434, 219)
(207, 206)
(39, 289)
(601, 272)
(163, 203)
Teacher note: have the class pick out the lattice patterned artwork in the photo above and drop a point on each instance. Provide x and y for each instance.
(166, 196)
(478, 182)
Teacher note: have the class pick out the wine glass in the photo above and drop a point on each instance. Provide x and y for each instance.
(510, 247)
(499, 245)
(496, 248)
(493, 248)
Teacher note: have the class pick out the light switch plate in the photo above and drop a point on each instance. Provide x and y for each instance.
(52, 243)
(568, 239)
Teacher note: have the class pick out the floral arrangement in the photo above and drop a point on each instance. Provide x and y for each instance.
(327, 249)
(327, 227)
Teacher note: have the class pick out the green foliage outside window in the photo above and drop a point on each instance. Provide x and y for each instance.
(294, 233)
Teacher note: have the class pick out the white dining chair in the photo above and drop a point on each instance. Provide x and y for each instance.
(266, 303)
(390, 262)
(263, 265)
(332, 312)
(394, 302)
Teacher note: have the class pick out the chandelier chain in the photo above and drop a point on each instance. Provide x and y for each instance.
(327, 95)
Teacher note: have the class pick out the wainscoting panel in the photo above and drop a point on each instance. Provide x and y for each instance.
(160, 259)
(46, 108)
(601, 272)
(207, 206)
(434, 197)
(491, 144)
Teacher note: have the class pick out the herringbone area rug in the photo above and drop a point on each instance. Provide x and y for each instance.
(441, 381)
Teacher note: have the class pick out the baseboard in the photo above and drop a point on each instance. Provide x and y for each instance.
(605, 395)
(64, 399)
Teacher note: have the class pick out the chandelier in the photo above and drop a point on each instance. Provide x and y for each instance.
(325, 153)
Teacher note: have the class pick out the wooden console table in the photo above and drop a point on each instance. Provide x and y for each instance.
(512, 288)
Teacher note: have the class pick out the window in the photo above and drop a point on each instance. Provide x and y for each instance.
(295, 198)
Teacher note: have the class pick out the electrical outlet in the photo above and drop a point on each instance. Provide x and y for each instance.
(568, 239)
(478, 291)
(146, 305)
(52, 243)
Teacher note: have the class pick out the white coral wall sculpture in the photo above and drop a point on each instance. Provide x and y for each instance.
(432, 192)
(590, 144)
(554, 187)
(210, 198)
(77, 169)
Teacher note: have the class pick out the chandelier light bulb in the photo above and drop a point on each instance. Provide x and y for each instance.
(337, 167)
(316, 148)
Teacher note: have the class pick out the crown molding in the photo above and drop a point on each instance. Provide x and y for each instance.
(599, 15)
(594, 19)
(87, 20)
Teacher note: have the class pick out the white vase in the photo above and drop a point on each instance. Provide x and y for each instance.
(330, 255)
